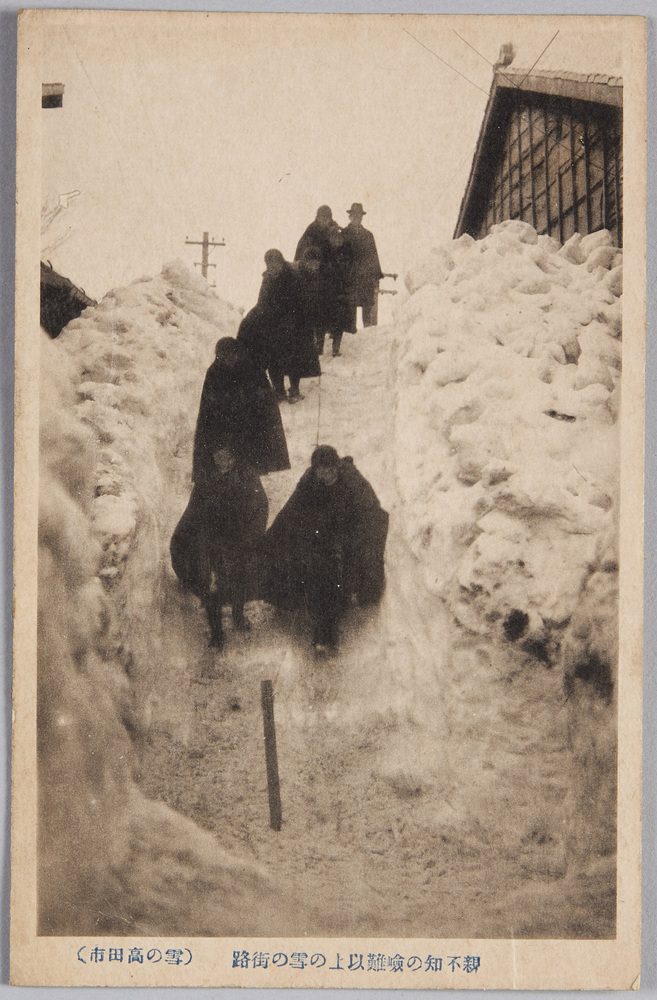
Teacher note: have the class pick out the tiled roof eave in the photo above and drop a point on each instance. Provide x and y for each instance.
(596, 87)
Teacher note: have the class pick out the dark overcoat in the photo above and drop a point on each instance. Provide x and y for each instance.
(329, 287)
(327, 543)
(238, 409)
(364, 268)
(219, 534)
(278, 332)
(252, 334)
(318, 236)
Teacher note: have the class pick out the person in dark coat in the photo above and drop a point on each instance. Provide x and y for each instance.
(341, 315)
(309, 267)
(313, 291)
(214, 546)
(318, 234)
(324, 237)
(364, 269)
(284, 307)
(277, 333)
(325, 547)
(238, 409)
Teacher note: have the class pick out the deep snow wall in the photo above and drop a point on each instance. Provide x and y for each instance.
(138, 362)
(119, 397)
(502, 457)
(507, 448)
(507, 394)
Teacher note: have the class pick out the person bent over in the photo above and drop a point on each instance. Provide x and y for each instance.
(325, 548)
(277, 333)
(214, 546)
(238, 406)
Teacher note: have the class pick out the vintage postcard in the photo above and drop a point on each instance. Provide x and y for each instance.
(329, 499)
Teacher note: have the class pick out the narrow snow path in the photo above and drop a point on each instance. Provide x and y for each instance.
(390, 653)
(420, 797)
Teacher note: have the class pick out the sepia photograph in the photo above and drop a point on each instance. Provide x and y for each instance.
(329, 499)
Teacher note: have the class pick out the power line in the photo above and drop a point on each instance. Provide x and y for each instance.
(137, 91)
(100, 100)
(492, 65)
(471, 46)
(512, 82)
(453, 68)
(540, 57)
(319, 407)
(84, 68)
(518, 86)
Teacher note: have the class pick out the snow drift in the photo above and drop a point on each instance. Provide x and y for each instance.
(507, 384)
(458, 750)
(508, 362)
(119, 400)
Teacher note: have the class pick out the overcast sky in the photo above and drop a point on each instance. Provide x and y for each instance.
(244, 124)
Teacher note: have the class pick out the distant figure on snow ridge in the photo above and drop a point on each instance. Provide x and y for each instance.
(277, 333)
(238, 410)
(213, 549)
(364, 269)
(325, 547)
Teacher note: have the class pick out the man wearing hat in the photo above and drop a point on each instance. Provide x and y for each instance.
(325, 548)
(365, 269)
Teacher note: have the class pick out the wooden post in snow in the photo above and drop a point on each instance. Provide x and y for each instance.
(271, 757)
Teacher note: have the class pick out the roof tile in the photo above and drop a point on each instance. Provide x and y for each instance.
(511, 73)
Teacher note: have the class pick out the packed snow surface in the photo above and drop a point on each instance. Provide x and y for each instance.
(437, 777)
(508, 357)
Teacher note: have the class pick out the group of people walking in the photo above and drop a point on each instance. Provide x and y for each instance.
(335, 271)
(324, 550)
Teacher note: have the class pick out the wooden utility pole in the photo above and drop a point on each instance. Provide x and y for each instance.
(271, 757)
(205, 243)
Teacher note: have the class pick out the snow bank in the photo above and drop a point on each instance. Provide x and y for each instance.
(508, 357)
(120, 390)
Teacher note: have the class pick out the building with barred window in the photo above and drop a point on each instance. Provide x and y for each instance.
(550, 152)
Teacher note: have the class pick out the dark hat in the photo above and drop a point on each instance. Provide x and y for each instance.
(324, 212)
(324, 455)
(356, 209)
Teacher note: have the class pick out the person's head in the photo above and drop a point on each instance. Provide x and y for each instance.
(325, 463)
(274, 261)
(324, 215)
(228, 352)
(356, 212)
(224, 459)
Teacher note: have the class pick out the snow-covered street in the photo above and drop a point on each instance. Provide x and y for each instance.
(440, 777)
(330, 662)
(426, 777)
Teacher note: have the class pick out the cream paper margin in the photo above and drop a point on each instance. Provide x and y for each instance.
(522, 964)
